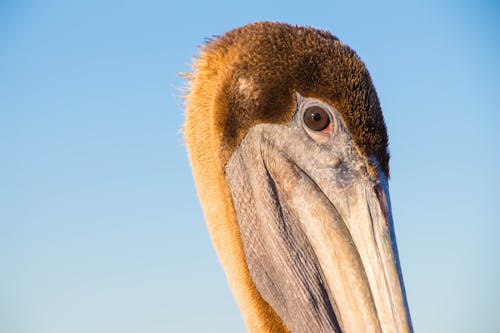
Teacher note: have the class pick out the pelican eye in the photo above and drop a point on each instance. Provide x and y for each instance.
(316, 118)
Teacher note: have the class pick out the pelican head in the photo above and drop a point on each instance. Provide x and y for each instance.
(288, 148)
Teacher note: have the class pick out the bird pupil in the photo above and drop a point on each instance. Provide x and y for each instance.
(316, 116)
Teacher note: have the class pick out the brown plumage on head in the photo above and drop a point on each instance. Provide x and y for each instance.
(250, 76)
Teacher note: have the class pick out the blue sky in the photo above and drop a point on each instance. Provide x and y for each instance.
(100, 227)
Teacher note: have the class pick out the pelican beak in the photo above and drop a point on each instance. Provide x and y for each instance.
(318, 234)
(354, 245)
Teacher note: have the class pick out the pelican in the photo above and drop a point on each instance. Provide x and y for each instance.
(289, 152)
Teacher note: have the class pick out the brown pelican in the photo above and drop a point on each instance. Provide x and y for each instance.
(288, 148)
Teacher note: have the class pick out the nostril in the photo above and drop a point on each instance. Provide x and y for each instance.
(382, 200)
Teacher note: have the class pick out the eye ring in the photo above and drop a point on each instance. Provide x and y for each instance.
(316, 118)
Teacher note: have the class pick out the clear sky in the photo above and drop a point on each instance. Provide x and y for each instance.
(100, 226)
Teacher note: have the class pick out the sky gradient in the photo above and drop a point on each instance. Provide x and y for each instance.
(100, 226)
